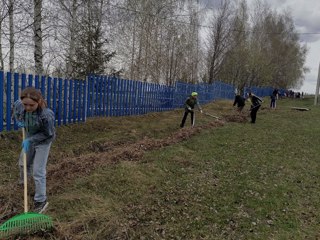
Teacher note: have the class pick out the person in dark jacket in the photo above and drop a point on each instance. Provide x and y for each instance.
(255, 105)
(189, 105)
(32, 114)
(273, 98)
(240, 102)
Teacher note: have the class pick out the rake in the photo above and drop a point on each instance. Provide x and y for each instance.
(210, 115)
(27, 222)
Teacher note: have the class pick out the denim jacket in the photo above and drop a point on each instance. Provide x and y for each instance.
(39, 125)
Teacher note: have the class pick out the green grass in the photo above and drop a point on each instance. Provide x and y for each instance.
(239, 181)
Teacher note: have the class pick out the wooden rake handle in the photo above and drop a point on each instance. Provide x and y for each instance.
(25, 176)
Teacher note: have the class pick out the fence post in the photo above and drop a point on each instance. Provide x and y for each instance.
(108, 94)
(85, 91)
(79, 100)
(15, 95)
(75, 87)
(104, 80)
(30, 79)
(49, 92)
(65, 100)
(59, 101)
(1, 99)
(43, 86)
(70, 101)
(8, 110)
(54, 98)
(36, 81)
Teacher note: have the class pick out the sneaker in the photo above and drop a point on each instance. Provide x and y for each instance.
(40, 207)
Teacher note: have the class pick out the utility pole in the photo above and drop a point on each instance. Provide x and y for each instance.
(317, 88)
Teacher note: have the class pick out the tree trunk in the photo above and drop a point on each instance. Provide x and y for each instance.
(38, 56)
(71, 54)
(1, 56)
(11, 37)
(133, 49)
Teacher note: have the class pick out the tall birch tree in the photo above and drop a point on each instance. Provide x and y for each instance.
(37, 27)
(11, 35)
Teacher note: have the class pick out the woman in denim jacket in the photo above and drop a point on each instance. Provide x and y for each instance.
(31, 112)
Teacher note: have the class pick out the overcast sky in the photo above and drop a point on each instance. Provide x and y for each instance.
(306, 16)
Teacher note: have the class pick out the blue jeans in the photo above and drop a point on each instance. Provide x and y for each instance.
(37, 158)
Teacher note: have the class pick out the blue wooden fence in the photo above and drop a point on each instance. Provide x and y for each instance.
(67, 98)
(74, 100)
(207, 92)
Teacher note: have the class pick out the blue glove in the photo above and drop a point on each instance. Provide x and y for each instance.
(20, 124)
(26, 145)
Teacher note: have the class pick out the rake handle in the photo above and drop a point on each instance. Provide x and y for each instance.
(25, 179)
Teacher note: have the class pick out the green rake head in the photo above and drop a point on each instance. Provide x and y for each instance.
(25, 223)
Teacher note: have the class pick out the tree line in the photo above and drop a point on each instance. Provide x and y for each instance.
(156, 41)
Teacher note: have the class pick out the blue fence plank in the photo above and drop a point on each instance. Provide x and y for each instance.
(101, 96)
(8, 105)
(110, 95)
(137, 98)
(134, 97)
(158, 106)
(59, 101)
(89, 95)
(54, 98)
(16, 87)
(36, 82)
(107, 96)
(49, 92)
(104, 99)
(43, 86)
(114, 96)
(96, 96)
(117, 96)
(1, 99)
(74, 105)
(120, 105)
(23, 80)
(131, 84)
(30, 80)
(79, 100)
(127, 97)
(16, 94)
(144, 99)
(65, 101)
(70, 102)
(84, 112)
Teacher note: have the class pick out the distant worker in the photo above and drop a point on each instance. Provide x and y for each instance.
(274, 97)
(240, 102)
(255, 105)
(189, 105)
